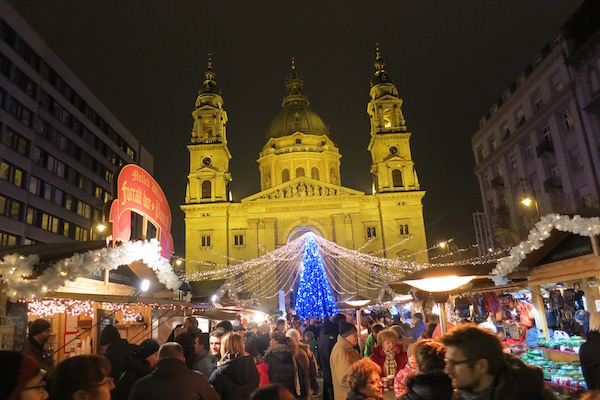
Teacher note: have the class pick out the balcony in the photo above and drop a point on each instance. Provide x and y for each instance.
(544, 147)
(553, 183)
(497, 182)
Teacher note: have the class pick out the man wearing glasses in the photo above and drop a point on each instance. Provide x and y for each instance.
(481, 371)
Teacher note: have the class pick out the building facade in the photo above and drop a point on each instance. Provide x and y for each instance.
(301, 188)
(541, 140)
(59, 145)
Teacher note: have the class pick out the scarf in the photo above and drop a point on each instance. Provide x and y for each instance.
(389, 366)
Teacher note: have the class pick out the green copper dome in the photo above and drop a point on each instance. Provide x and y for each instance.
(296, 115)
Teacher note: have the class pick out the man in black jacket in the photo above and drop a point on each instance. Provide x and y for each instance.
(116, 349)
(327, 339)
(480, 370)
(172, 379)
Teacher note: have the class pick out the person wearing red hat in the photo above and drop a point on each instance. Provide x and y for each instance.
(22, 378)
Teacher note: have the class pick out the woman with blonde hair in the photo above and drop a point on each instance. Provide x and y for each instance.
(236, 376)
(389, 353)
(589, 354)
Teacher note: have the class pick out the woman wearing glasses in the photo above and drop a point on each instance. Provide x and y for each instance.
(364, 381)
(22, 378)
(84, 377)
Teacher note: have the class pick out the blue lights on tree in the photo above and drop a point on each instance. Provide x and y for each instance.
(314, 297)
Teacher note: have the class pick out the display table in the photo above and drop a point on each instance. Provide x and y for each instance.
(560, 356)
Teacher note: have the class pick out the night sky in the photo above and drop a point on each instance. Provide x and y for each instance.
(450, 60)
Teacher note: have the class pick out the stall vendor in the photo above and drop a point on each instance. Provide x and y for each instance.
(531, 337)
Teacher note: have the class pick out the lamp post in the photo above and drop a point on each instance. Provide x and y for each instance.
(357, 302)
(527, 201)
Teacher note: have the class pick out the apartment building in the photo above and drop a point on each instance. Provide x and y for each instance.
(59, 145)
(541, 139)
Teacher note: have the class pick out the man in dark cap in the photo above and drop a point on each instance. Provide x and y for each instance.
(39, 332)
(342, 356)
(115, 349)
(226, 325)
(136, 366)
(239, 329)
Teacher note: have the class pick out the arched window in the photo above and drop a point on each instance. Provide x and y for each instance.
(397, 178)
(206, 190)
(299, 172)
(314, 173)
(285, 175)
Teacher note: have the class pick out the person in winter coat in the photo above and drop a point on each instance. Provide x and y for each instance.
(402, 376)
(389, 354)
(589, 354)
(172, 379)
(343, 355)
(372, 338)
(417, 328)
(364, 381)
(251, 347)
(236, 377)
(327, 339)
(430, 382)
(479, 368)
(283, 366)
(136, 366)
(306, 361)
(274, 391)
(39, 333)
(204, 361)
(115, 349)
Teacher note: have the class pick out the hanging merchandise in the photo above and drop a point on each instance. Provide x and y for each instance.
(462, 306)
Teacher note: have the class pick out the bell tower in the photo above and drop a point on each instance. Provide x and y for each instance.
(209, 177)
(392, 166)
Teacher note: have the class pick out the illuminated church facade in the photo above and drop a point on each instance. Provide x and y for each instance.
(300, 180)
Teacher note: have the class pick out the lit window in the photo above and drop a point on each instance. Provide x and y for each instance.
(567, 120)
(206, 190)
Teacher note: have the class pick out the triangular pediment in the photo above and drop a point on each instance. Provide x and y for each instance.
(303, 187)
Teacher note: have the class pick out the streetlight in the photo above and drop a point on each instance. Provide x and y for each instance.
(357, 302)
(527, 201)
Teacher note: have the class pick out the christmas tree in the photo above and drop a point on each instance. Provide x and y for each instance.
(314, 297)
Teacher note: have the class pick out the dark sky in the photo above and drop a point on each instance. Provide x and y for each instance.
(450, 60)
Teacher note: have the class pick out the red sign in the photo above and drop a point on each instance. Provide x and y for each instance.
(137, 191)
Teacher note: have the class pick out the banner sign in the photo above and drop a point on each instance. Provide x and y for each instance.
(137, 191)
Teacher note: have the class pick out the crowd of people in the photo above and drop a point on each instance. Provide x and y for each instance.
(283, 360)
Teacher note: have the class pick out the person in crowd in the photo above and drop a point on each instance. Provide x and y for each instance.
(532, 335)
(115, 350)
(226, 325)
(82, 377)
(187, 341)
(399, 331)
(480, 370)
(306, 360)
(252, 327)
(239, 329)
(274, 391)
(280, 325)
(430, 382)
(325, 343)
(343, 355)
(372, 338)
(283, 367)
(236, 376)
(409, 369)
(313, 326)
(136, 366)
(364, 381)
(172, 379)
(251, 348)
(309, 339)
(389, 354)
(589, 354)
(22, 377)
(205, 362)
(434, 321)
(263, 338)
(215, 342)
(39, 333)
(417, 328)
(190, 324)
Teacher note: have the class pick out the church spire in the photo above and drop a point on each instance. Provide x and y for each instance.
(294, 84)
(209, 85)
(381, 75)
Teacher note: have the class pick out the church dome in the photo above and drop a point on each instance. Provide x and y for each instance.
(296, 115)
(296, 119)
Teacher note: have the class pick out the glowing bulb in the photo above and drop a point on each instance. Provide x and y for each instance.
(145, 285)
(526, 201)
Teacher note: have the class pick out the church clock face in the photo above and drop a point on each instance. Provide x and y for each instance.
(393, 150)
(206, 161)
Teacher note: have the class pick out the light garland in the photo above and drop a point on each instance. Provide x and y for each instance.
(541, 231)
(16, 270)
(49, 307)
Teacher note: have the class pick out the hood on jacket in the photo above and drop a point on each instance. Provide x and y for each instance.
(237, 369)
(433, 385)
(279, 348)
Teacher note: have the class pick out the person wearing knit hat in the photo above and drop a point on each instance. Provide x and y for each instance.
(39, 333)
(342, 356)
(115, 349)
(22, 378)
(138, 365)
